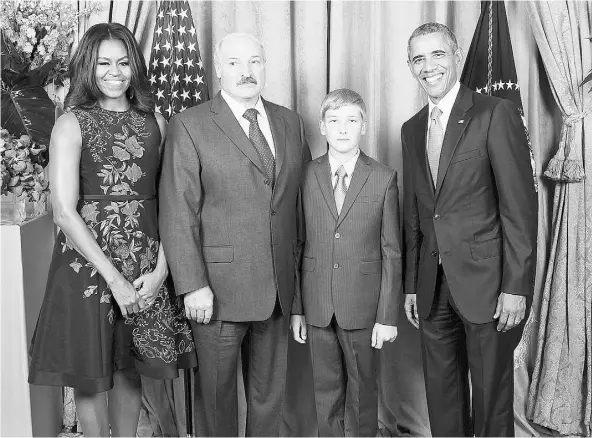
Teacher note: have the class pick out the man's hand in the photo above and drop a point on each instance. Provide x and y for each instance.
(199, 305)
(383, 333)
(411, 309)
(510, 310)
(298, 326)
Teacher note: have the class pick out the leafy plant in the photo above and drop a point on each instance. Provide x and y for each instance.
(26, 109)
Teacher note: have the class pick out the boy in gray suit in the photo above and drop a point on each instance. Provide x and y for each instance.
(350, 282)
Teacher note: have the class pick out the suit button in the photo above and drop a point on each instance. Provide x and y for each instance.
(337, 235)
(434, 253)
(273, 212)
(335, 266)
(437, 217)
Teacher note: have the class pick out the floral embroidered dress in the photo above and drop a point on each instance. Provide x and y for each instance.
(81, 338)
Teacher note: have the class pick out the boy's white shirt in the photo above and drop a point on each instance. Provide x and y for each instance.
(349, 165)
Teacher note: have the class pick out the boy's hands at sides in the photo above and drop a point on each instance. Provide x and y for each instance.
(298, 326)
(380, 333)
(383, 333)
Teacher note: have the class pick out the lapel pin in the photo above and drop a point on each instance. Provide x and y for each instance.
(461, 121)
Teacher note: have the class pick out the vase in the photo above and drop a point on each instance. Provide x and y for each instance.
(15, 211)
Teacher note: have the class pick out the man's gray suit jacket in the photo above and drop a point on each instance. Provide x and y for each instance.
(222, 222)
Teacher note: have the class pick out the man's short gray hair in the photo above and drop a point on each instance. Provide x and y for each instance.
(236, 34)
(429, 28)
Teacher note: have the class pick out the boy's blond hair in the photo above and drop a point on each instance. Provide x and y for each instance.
(341, 97)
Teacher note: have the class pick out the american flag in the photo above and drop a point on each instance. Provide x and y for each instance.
(490, 68)
(176, 71)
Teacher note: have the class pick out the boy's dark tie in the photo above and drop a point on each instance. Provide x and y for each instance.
(260, 143)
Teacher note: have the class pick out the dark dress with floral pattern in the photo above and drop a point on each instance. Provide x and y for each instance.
(81, 338)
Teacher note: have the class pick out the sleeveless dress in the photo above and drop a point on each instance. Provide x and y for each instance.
(81, 337)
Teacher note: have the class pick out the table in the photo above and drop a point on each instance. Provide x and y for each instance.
(25, 410)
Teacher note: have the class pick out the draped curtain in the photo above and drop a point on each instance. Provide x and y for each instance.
(314, 46)
(560, 396)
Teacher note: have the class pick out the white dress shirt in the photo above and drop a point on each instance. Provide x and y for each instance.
(238, 109)
(349, 166)
(445, 106)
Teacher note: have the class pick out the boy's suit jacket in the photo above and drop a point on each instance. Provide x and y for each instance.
(351, 266)
(222, 223)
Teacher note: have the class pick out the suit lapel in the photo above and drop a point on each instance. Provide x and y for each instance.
(322, 171)
(359, 178)
(224, 118)
(454, 131)
(278, 132)
(419, 141)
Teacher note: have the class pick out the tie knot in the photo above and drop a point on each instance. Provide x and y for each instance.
(251, 115)
(436, 113)
(340, 172)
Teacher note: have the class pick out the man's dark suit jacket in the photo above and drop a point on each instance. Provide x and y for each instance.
(481, 219)
(352, 264)
(222, 222)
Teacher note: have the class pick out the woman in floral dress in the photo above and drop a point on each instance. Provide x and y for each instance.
(108, 315)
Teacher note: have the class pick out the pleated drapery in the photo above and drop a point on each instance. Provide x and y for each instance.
(560, 395)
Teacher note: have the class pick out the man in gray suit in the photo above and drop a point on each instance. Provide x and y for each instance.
(231, 174)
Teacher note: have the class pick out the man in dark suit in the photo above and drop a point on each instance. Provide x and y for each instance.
(231, 174)
(470, 222)
(351, 281)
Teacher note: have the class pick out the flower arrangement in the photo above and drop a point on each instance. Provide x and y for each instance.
(35, 40)
(36, 32)
(22, 175)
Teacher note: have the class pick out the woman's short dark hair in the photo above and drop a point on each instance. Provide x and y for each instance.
(84, 91)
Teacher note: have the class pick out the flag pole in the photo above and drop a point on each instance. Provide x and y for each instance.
(188, 379)
(490, 49)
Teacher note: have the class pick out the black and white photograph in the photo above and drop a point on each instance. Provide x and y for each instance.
(296, 218)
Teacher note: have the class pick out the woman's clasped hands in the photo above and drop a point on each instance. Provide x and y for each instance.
(126, 296)
(136, 297)
(149, 285)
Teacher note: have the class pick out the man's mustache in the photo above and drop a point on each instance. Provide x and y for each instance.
(247, 80)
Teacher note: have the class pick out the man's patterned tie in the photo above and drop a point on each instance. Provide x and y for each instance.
(435, 138)
(260, 143)
(340, 189)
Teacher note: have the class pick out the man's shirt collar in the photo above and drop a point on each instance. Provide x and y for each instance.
(447, 102)
(238, 109)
